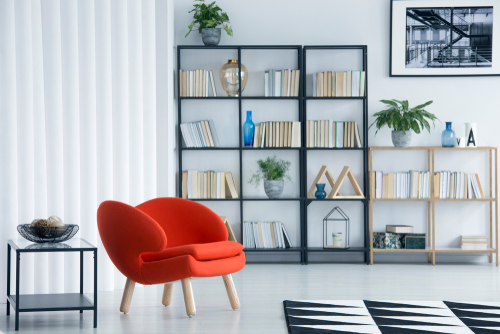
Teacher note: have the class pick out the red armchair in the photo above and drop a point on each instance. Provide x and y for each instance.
(165, 240)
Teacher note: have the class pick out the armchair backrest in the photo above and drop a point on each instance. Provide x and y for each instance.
(126, 233)
(185, 222)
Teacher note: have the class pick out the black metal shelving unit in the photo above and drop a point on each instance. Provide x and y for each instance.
(307, 201)
(302, 250)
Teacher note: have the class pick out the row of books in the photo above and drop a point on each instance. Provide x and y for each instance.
(457, 185)
(200, 134)
(265, 235)
(197, 83)
(339, 84)
(325, 133)
(277, 134)
(399, 229)
(282, 82)
(209, 184)
(474, 242)
(412, 184)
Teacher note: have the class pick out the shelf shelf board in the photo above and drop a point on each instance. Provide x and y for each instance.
(209, 148)
(335, 148)
(465, 200)
(209, 98)
(292, 98)
(460, 250)
(52, 302)
(270, 148)
(401, 199)
(270, 97)
(346, 198)
(427, 250)
(214, 199)
(335, 98)
(351, 249)
(424, 148)
(256, 250)
(433, 199)
(271, 199)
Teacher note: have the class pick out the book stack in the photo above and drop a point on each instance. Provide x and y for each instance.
(412, 184)
(339, 84)
(282, 82)
(210, 184)
(277, 134)
(200, 134)
(265, 235)
(457, 185)
(325, 133)
(197, 83)
(401, 229)
(474, 242)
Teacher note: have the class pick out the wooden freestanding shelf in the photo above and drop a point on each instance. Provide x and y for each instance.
(431, 203)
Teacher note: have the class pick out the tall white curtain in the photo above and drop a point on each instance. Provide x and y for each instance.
(86, 107)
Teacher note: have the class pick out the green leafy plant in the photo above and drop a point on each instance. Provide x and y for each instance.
(272, 169)
(208, 16)
(401, 117)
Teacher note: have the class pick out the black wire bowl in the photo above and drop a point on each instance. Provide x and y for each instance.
(47, 234)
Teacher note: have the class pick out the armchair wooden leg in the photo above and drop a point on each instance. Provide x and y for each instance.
(231, 291)
(167, 294)
(127, 296)
(187, 290)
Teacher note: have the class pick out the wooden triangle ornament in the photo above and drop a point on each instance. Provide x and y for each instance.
(324, 171)
(230, 233)
(335, 190)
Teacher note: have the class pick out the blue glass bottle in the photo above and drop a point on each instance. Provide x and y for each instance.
(320, 192)
(248, 130)
(448, 136)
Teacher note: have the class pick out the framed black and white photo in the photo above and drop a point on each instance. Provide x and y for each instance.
(445, 38)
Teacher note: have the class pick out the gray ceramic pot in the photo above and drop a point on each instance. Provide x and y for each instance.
(401, 139)
(210, 36)
(273, 189)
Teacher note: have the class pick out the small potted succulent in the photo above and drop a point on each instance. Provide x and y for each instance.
(274, 172)
(403, 119)
(209, 19)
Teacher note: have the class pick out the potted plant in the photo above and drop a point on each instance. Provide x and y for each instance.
(274, 172)
(402, 119)
(209, 19)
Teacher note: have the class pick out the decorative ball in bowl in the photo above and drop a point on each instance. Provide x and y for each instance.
(51, 230)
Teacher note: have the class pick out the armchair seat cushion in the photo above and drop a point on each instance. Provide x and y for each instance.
(200, 252)
(179, 267)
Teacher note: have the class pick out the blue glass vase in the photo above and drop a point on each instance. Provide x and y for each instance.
(248, 130)
(320, 192)
(448, 136)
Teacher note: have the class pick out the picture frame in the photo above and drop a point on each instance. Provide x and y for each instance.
(444, 38)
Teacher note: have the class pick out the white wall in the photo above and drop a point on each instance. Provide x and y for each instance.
(328, 22)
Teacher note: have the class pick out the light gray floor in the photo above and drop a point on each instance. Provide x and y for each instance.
(261, 289)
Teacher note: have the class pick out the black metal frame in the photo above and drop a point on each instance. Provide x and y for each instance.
(18, 305)
(426, 75)
(365, 249)
(302, 100)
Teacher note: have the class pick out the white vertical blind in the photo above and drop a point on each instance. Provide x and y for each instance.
(79, 121)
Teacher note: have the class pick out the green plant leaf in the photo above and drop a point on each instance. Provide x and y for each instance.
(228, 29)
(271, 169)
(423, 105)
(392, 103)
(208, 16)
(400, 117)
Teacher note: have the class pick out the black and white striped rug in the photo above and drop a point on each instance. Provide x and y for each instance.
(391, 317)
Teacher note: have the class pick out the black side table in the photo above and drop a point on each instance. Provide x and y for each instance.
(51, 301)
